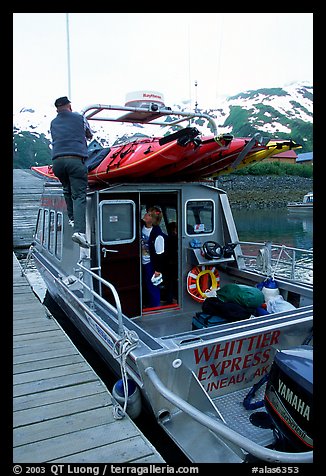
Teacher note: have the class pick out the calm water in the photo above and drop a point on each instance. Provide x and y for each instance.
(290, 228)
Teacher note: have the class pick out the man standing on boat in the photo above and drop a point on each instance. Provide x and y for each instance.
(70, 132)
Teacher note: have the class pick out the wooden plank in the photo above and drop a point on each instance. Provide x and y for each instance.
(57, 395)
(63, 425)
(41, 345)
(64, 408)
(46, 364)
(124, 451)
(27, 190)
(58, 382)
(53, 336)
(44, 355)
(61, 371)
(31, 329)
(80, 442)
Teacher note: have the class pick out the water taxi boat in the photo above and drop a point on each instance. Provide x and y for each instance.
(306, 204)
(196, 381)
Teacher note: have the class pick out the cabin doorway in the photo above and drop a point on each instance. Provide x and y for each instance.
(120, 226)
(168, 290)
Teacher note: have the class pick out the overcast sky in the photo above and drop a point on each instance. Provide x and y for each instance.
(112, 54)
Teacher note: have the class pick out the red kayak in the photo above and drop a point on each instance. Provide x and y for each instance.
(216, 157)
(183, 152)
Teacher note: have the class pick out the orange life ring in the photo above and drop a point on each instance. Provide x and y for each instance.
(201, 279)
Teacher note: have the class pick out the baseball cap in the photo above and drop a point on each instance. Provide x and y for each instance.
(61, 101)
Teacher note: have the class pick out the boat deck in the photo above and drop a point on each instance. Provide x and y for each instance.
(62, 410)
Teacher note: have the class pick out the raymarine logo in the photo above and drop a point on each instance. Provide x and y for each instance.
(300, 405)
(151, 96)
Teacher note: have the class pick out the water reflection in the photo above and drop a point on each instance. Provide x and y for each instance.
(277, 225)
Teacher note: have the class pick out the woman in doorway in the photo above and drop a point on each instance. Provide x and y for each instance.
(153, 256)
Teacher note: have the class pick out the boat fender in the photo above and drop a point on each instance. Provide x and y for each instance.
(133, 399)
(198, 280)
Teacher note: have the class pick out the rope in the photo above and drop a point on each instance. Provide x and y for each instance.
(28, 258)
(126, 344)
(278, 259)
(262, 260)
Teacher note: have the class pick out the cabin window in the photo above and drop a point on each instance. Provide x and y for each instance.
(51, 232)
(199, 217)
(39, 225)
(117, 221)
(58, 233)
(45, 240)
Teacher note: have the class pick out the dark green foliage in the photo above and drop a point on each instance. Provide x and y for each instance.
(30, 149)
(246, 122)
(276, 168)
(264, 91)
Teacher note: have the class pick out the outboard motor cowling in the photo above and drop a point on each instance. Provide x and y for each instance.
(288, 397)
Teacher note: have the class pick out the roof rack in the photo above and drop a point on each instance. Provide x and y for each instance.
(147, 114)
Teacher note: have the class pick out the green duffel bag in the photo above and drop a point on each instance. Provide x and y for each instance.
(248, 296)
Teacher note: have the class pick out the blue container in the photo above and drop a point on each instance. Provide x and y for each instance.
(269, 283)
(133, 400)
(120, 390)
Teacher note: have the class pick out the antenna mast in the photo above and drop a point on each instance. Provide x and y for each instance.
(68, 56)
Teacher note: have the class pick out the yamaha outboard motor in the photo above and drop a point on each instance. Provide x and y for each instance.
(288, 398)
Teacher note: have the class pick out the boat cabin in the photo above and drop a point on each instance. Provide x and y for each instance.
(114, 228)
(201, 212)
(308, 198)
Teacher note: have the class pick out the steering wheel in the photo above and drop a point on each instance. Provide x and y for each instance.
(228, 250)
(212, 250)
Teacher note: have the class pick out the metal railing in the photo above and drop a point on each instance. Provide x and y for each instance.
(117, 310)
(273, 260)
(224, 431)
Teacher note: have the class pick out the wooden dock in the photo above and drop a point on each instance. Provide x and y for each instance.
(27, 190)
(62, 410)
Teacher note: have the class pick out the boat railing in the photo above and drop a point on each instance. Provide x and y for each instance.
(222, 430)
(86, 282)
(281, 261)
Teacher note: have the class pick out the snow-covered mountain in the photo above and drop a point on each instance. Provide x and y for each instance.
(284, 112)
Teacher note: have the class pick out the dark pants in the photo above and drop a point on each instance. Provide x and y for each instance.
(152, 294)
(72, 173)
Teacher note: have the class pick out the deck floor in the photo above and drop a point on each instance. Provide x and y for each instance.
(62, 410)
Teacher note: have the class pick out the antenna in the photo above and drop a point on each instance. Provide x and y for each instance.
(189, 65)
(219, 26)
(68, 55)
(196, 102)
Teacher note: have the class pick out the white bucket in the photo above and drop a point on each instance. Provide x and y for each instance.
(270, 293)
(134, 398)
